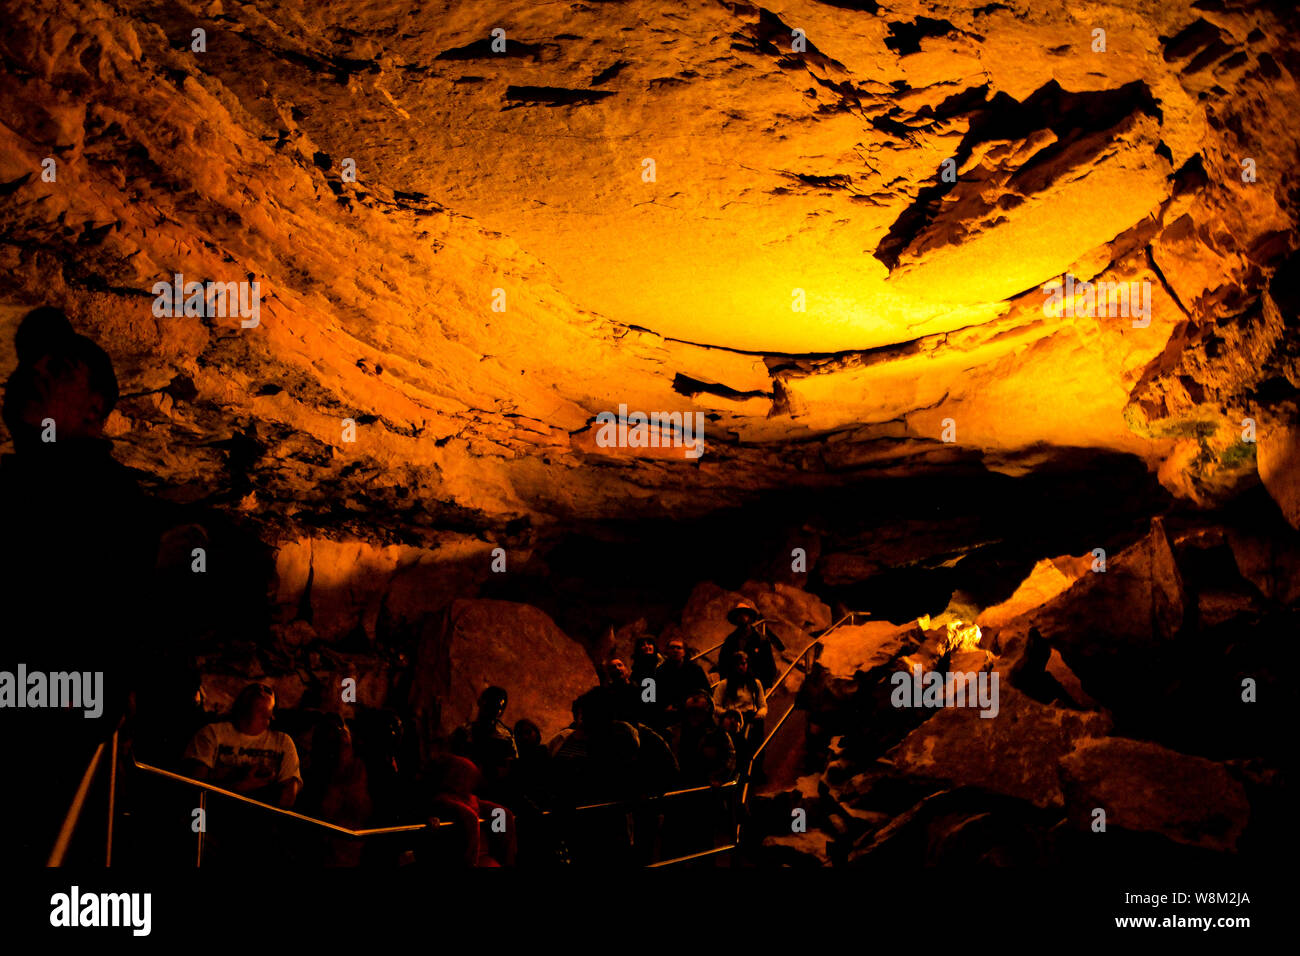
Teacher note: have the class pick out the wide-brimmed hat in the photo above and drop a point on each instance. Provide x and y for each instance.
(741, 609)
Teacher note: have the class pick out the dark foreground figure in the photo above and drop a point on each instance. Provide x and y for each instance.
(78, 548)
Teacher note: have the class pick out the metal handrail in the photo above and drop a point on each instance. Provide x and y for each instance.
(404, 828)
(709, 650)
(693, 856)
(112, 799)
(766, 740)
(73, 816)
(212, 788)
(647, 798)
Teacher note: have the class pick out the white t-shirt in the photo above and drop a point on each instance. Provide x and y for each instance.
(237, 761)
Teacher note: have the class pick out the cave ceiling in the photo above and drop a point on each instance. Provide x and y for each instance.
(704, 207)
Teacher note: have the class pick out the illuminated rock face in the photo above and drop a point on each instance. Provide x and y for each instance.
(826, 226)
(488, 642)
(1133, 778)
(997, 754)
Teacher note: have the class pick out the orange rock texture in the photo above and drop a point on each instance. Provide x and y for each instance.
(830, 227)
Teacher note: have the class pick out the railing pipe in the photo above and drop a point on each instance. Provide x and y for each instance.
(708, 650)
(206, 787)
(73, 816)
(112, 800)
(693, 856)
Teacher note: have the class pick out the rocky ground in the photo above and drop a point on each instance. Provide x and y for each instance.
(1122, 693)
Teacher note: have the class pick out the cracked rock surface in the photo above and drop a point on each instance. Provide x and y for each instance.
(797, 156)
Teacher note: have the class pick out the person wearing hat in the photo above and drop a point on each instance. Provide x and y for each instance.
(752, 637)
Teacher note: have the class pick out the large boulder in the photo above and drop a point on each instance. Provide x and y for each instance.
(797, 849)
(1270, 560)
(479, 643)
(961, 827)
(1015, 752)
(790, 605)
(1117, 628)
(1049, 577)
(864, 647)
(1143, 786)
(426, 581)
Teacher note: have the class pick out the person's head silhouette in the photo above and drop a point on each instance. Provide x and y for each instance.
(63, 379)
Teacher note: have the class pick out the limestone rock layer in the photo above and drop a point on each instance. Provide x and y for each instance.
(826, 226)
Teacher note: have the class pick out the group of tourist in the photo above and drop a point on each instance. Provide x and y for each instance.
(652, 725)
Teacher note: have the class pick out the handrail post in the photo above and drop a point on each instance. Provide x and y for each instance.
(736, 808)
(112, 800)
(203, 825)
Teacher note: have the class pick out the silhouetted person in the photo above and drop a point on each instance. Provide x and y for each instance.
(76, 557)
(488, 742)
(675, 680)
(707, 759)
(162, 741)
(657, 768)
(624, 697)
(751, 636)
(487, 733)
(483, 832)
(657, 773)
(531, 772)
(597, 759)
(533, 756)
(704, 750)
(384, 746)
(646, 659)
(557, 744)
(335, 789)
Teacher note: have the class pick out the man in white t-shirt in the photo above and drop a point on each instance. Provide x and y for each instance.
(244, 755)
